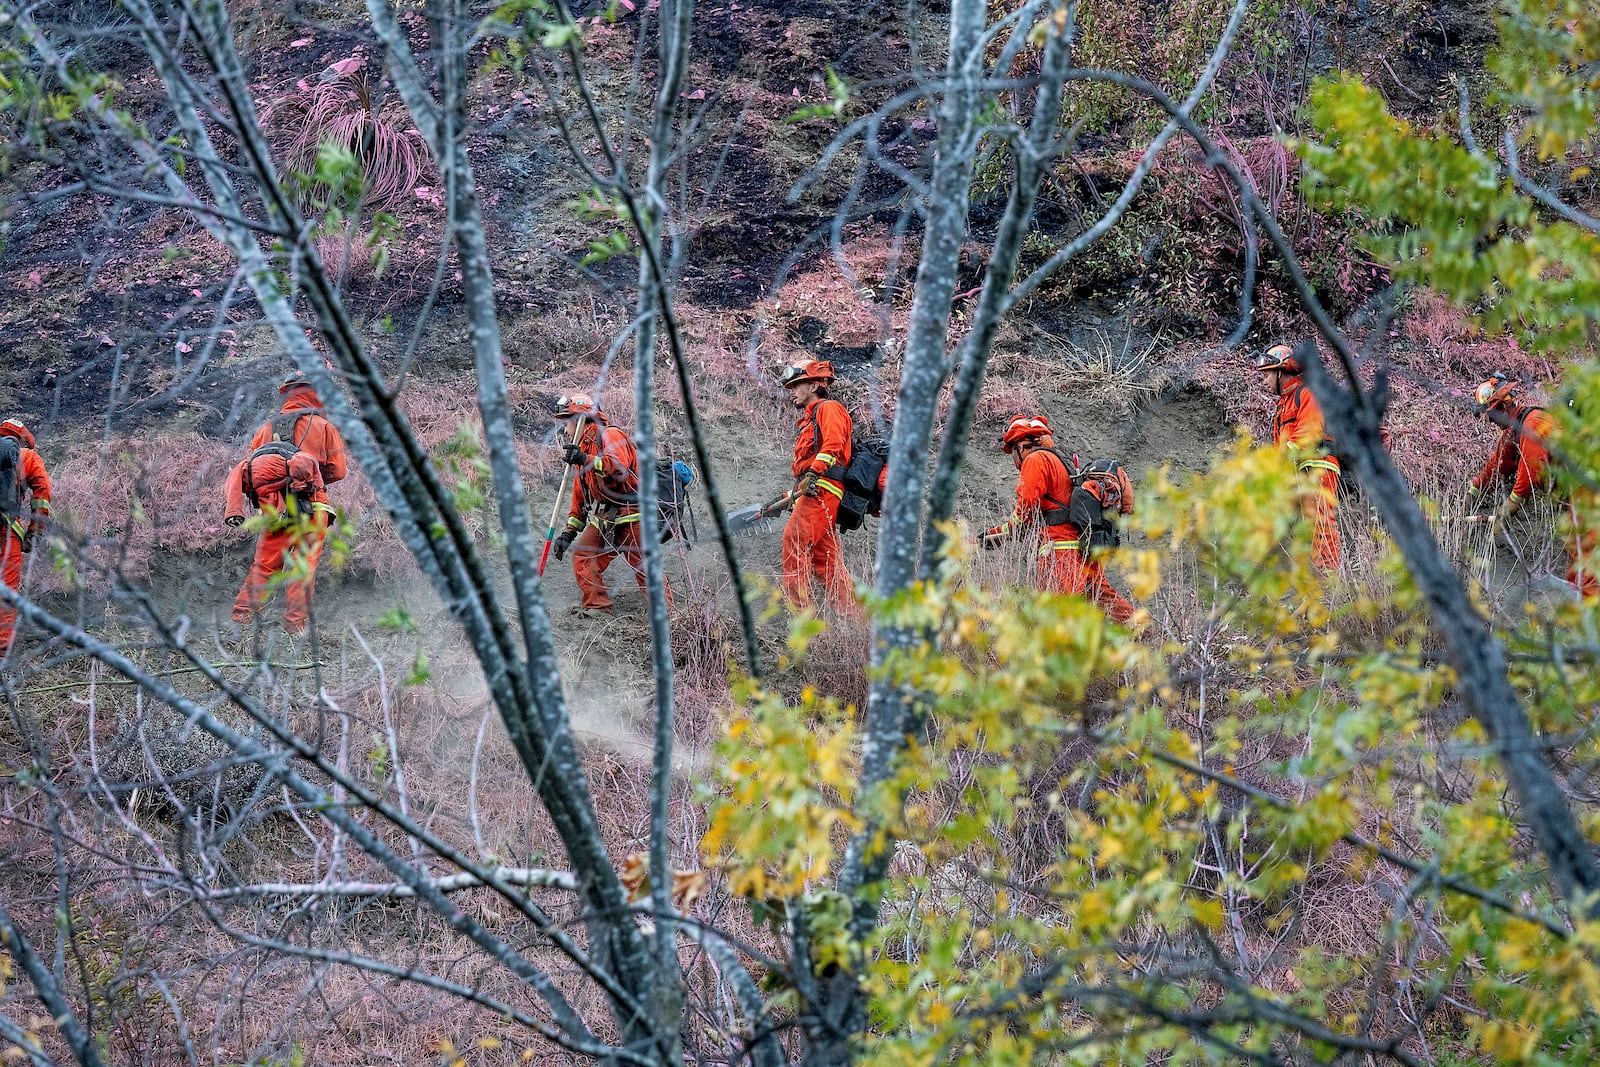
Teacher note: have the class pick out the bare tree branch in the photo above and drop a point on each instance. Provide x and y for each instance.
(46, 985)
(533, 877)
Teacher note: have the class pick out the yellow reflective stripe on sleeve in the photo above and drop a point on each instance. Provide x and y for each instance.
(624, 520)
(1513, 499)
(600, 464)
(1320, 465)
(327, 509)
(1058, 546)
(574, 523)
(825, 457)
(42, 506)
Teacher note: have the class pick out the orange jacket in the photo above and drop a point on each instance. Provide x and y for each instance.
(610, 477)
(1521, 455)
(1298, 428)
(823, 442)
(1043, 484)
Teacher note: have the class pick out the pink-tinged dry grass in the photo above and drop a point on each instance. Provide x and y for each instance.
(135, 497)
(853, 313)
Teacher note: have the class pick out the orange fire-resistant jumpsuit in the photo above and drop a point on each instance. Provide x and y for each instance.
(1043, 484)
(36, 485)
(811, 538)
(1521, 460)
(293, 542)
(610, 525)
(1298, 429)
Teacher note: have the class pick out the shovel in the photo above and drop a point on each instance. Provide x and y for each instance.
(753, 518)
(561, 497)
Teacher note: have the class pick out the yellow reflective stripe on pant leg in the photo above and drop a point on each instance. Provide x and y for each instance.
(1059, 546)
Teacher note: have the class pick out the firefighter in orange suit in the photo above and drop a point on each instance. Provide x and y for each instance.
(27, 506)
(821, 454)
(1297, 428)
(305, 457)
(603, 522)
(1044, 495)
(1521, 462)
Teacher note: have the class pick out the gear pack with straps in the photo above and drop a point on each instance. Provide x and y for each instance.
(13, 490)
(1085, 509)
(861, 478)
(282, 444)
(673, 478)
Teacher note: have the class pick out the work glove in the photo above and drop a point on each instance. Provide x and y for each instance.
(808, 484)
(564, 542)
(575, 455)
(234, 520)
(990, 542)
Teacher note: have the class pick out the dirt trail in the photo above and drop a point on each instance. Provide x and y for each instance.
(605, 663)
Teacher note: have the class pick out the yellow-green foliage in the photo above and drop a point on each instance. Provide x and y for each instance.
(1093, 862)
(1461, 225)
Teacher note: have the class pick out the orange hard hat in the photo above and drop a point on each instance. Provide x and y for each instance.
(816, 370)
(13, 428)
(568, 407)
(1497, 392)
(1023, 428)
(1279, 357)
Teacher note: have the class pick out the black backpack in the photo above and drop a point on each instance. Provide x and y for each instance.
(868, 457)
(673, 478)
(284, 424)
(1094, 516)
(1097, 515)
(12, 488)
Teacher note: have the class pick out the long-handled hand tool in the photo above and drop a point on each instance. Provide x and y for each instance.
(747, 520)
(561, 494)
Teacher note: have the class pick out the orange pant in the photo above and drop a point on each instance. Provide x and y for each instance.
(811, 547)
(11, 573)
(1064, 570)
(592, 554)
(1320, 505)
(274, 549)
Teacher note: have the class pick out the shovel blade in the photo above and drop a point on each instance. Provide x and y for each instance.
(746, 520)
